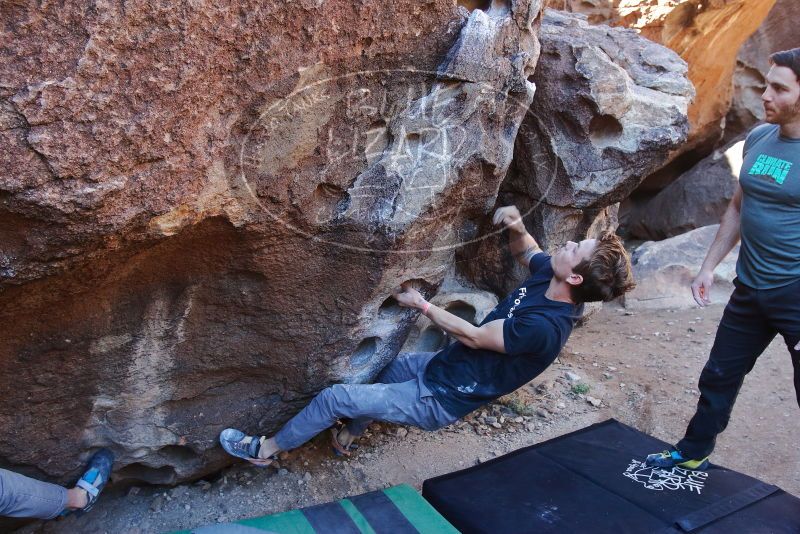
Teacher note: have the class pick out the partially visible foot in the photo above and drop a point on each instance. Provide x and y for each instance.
(673, 458)
(341, 441)
(77, 498)
(237, 443)
(92, 482)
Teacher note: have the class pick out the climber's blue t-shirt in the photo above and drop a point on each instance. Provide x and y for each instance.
(534, 331)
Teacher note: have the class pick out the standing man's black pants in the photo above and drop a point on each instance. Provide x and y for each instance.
(751, 320)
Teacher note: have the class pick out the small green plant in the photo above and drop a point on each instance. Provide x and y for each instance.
(517, 404)
(580, 389)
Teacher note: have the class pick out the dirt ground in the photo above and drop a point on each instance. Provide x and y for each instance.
(641, 368)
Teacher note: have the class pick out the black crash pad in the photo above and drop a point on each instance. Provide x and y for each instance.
(593, 480)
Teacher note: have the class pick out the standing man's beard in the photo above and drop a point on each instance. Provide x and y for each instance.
(786, 116)
(795, 110)
(790, 115)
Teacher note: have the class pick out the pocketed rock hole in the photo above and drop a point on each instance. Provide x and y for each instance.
(604, 130)
(178, 454)
(432, 339)
(390, 308)
(470, 5)
(461, 309)
(364, 352)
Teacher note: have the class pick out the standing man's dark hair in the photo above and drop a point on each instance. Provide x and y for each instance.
(789, 59)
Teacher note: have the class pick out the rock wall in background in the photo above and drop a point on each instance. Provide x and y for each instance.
(697, 198)
(203, 209)
(778, 32)
(610, 107)
(664, 271)
(725, 44)
(663, 205)
(707, 34)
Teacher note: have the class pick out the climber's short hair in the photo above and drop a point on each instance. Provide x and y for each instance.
(607, 274)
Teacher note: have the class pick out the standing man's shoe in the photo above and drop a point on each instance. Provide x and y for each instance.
(673, 458)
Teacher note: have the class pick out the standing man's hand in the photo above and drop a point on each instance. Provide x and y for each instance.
(409, 297)
(701, 288)
(509, 217)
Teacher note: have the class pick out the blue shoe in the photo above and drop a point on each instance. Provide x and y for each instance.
(98, 471)
(237, 443)
(673, 458)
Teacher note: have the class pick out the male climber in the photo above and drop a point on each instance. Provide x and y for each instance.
(515, 343)
(765, 214)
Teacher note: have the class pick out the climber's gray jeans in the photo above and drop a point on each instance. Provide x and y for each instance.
(398, 395)
(21, 496)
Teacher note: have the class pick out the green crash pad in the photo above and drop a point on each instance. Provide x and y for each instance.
(396, 510)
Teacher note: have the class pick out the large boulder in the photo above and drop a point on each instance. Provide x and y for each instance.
(664, 271)
(610, 107)
(777, 32)
(707, 34)
(697, 198)
(203, 211)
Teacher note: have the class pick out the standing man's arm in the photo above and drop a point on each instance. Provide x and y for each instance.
(522, 244)
(726, 238)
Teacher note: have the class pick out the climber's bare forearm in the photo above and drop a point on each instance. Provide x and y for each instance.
(523, 247)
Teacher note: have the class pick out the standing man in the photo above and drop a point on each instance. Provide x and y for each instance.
(518, 340)
(765, 214)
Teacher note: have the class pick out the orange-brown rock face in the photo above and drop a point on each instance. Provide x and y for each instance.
(777, 32)
(204, 207)
(707, 34)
